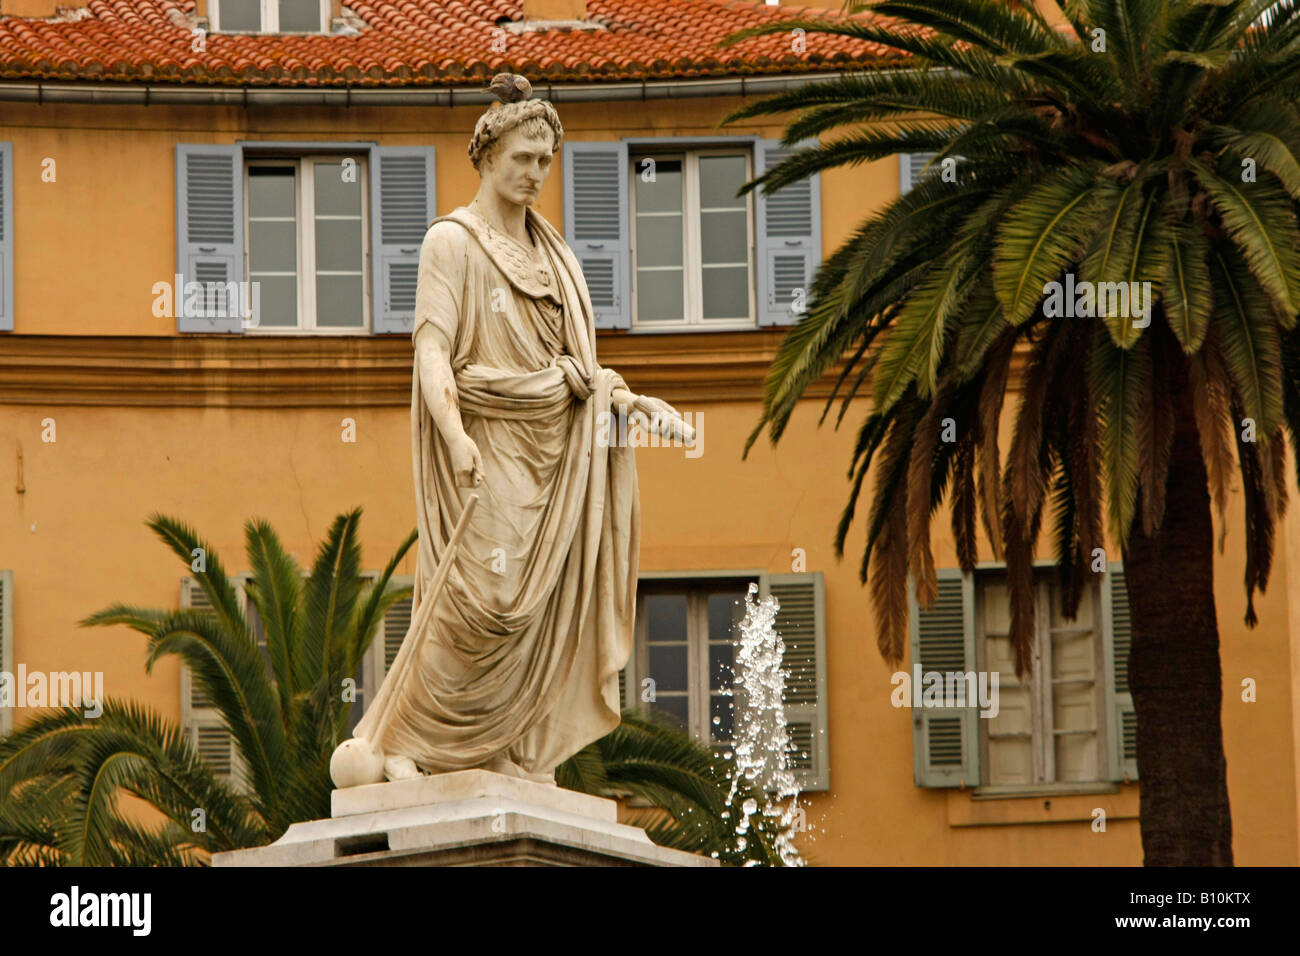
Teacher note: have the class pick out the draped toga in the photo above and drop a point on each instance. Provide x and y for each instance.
(520, 653)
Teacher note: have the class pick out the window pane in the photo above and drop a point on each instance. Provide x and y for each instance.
(722, 660)
(272, 219)
(339, 301)
(272, 246)
(1081, 619)
(720, 178)
(338, 245)
(726, 292)
(1076, 758)
(666, 617)
(659, 296)
(334, 196)
(676, 709)
(658, 241)
(724, 237)
(300, 16)
(1073, 657)
(997, 609)
(668, 666)
(1074, 706)
(1011, 762)
(272, 191)
(658, 185)
(721, 719)
(726, 609)
(241, 15)
(279, 300)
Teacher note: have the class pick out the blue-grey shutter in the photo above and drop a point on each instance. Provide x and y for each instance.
(209, 228)
(6, 237)
(911, 167)
(200, 719)
(1118, 637)
(945, 741)
(403, 204)
(788, 235)
(801, 622)
(596, 226)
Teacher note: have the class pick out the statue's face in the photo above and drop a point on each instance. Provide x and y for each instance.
(519, 167)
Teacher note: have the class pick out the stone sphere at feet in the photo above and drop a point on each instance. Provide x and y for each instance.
(355, 763)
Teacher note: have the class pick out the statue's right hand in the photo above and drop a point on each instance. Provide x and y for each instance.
(466, 462)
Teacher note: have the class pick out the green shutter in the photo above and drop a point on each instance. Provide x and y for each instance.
(1122, 730)
(945, 742)
(801, 622)
(6, 641)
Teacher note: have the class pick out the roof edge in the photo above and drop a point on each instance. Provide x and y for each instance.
(151, 94)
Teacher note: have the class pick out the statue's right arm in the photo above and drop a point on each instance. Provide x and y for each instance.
(433, 351)
(437, 382)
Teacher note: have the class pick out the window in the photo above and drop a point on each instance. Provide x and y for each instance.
(306, 252)
(685, 640)
(685, 646)
(1069, 723)
(665, 244)
(1049, 728)
(270, 16)
(331, 221)
(691, 239)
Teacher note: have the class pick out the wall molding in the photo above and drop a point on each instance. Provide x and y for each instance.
(298, 371)
(289, 371)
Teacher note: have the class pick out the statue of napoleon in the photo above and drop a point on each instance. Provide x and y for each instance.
(512, 666)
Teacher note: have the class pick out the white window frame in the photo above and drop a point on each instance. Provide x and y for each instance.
(305, 211)
(270, 13)
(693, 273)
(1043, 732)
(698, 691)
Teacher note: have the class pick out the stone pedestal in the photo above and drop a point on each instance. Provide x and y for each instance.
(470, 818)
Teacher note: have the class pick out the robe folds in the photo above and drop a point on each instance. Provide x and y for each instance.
(519, 654)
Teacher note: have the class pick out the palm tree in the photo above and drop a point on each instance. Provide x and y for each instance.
(63, 773)
(61, 776)
(1137, 141)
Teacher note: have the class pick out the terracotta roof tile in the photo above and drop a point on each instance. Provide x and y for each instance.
(422, 42)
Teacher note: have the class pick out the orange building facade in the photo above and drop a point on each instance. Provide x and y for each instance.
(114, 404)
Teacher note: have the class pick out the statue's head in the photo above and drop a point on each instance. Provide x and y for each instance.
(515, 140)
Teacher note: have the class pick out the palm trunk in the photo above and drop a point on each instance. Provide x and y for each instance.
(1174, 671)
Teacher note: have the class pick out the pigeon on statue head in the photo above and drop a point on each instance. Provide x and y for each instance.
(510, 87)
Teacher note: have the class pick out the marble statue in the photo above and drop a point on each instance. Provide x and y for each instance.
(512, 660)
